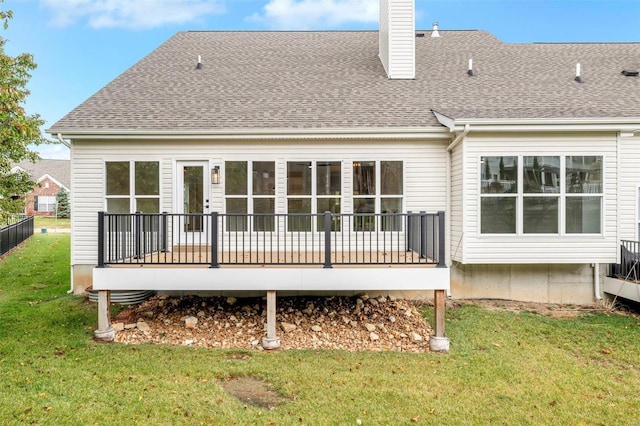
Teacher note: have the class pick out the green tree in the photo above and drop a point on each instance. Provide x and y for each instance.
(18, 129)
(62, 199)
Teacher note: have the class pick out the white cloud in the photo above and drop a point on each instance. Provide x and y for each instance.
(314, 14)
(131, 14)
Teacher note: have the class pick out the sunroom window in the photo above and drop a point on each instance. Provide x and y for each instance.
(529, 194)
(132, 186)
(260, 177)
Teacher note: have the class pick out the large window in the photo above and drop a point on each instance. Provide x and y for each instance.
(530, 194)
(44, 203)
(260, 177)
(312, 187)
(132, 186)
(377, 188)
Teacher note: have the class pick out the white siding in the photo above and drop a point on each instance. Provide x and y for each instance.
(424, 173)
(538, 249)
(457, 244)
(397, 38)
(629, 183)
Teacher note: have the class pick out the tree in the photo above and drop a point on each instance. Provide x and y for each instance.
(62, 199)
(18, 129)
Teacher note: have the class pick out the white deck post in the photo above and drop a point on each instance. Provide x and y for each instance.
(105, 331)
(271, 341)
(438, 342)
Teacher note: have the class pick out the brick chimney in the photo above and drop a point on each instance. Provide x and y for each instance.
(397, 38)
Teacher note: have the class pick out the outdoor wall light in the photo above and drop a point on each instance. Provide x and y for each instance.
(215, 175)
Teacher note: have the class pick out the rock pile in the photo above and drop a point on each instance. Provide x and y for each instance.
(347, 323)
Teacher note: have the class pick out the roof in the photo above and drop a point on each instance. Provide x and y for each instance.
(57, 169)
(334, 79)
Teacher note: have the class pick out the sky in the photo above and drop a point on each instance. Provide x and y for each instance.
(81, 45)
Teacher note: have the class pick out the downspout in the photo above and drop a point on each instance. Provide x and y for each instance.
(68, 145)
(62, 141)
(596, 281)
(459, 138)
(452, 145)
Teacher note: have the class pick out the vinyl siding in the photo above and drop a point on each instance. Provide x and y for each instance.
(538, 249)
(629, 183)
(424, 173)
(457, 225)
(397, 38)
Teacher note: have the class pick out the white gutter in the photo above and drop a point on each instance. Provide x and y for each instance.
(63, 142)
(459, 138)
(234, 134)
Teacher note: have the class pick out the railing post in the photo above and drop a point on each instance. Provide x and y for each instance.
(214, 240)
(441, 243)
(424, 230)
(137, 234)
(408, 237)
(100, 239)
(164, 237)
(327, 239)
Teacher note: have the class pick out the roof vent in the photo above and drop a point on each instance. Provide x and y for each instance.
(435, 32)
(630, 73)
(419, 34)
(199, 64)
(470, 70)
(578, 77)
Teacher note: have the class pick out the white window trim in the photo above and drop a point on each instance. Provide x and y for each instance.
(378, 195)
(563, 195)
(132, 184)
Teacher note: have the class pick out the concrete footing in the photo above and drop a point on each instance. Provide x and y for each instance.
(107, 335)
(439, 344)
(270, 342)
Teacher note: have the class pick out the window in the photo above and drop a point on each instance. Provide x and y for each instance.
(261, 199)
(133, 186)
(372, 195)
(312, 187)
(528, 194)
(44, 203)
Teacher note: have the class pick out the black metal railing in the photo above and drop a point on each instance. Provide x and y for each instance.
(629, 266)
(325, 239)
(14, 234)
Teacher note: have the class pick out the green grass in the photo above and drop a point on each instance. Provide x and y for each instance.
(40, 222)
(504, 368)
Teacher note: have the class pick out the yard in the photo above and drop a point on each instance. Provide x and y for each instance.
(504, 367)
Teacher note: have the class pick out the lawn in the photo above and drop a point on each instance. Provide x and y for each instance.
(40, 222)
(504, 368)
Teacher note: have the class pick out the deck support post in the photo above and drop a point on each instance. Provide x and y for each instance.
(438, 342)
(105, 331)
(271, 341)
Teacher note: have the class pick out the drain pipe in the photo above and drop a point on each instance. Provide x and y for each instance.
(596, 280)
(62, 141)
(459, 138)
(68, 145)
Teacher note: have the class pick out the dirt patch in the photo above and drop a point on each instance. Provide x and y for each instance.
(252, 391)
(552, 310)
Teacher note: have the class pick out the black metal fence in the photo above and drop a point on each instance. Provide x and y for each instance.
(629, 266)
(325, 239)
(14, 234)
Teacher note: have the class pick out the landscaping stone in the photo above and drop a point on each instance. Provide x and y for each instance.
(190, 322)
(287, 327)
(143, 326)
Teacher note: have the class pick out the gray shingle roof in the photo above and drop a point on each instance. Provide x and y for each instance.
(58, 169)
(307, 80)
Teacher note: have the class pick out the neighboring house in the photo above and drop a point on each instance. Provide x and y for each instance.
(50, 176)
(530, 150)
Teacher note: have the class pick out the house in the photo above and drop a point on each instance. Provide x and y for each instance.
(390, 160)
(50, 176)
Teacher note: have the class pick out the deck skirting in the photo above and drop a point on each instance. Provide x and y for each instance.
(272, 278)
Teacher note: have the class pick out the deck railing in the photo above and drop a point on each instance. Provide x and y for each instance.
(14, 234)
(324, 239)
(629, 266)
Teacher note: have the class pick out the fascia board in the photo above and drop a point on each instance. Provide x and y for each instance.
(261, 134)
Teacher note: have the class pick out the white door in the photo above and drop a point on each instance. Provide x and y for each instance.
(193, 201)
